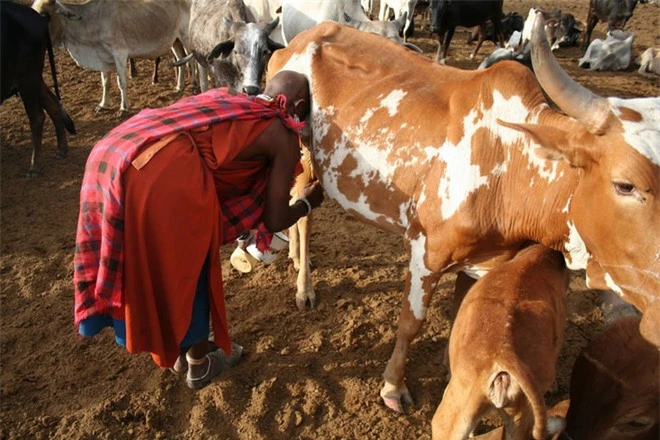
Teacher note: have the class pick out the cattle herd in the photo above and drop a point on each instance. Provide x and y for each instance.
(510, 176)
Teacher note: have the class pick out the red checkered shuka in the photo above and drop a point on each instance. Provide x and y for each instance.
(98, 258)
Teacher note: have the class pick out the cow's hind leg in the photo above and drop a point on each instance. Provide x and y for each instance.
(30, 92)
(305, 290)
(105, 99)
(179, 52)
(459, 411)
(56, 114)
(420, 284)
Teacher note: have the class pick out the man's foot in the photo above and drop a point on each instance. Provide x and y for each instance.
(201, 372)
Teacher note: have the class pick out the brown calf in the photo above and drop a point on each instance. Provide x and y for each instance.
(503, 347)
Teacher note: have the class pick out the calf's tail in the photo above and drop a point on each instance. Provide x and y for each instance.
(512, 368)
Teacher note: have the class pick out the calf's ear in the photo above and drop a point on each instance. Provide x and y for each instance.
(557, 144)
(556, 426)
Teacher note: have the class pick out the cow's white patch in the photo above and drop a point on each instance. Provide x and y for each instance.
(253, 42)
(391, 101)
(418, 271)
(461, 177)
(367, 115)
(643, 136)
(576, 249)
(609, 281)
(568, 204)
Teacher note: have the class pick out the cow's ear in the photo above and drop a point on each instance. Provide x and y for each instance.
(556, 144)
(223, 49)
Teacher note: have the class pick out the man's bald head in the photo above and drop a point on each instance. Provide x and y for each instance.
(295, 87)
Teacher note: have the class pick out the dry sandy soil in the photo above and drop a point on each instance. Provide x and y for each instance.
(310, 375)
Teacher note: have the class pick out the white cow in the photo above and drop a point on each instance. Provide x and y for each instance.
(649, 62)
(385, 28)
(614, 53)
(102, 34)
(267, 10)
(398, 7)
(298, 15)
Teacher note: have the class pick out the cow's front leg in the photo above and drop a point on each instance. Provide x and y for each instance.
(420, 285)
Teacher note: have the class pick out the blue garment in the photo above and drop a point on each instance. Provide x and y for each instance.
(199, 323)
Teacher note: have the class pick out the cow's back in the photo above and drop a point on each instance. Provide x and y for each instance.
(518, 307)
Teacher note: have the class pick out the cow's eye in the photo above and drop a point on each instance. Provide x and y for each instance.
(635, 425)
(624, 189)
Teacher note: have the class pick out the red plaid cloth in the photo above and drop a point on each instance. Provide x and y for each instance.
(98, 259)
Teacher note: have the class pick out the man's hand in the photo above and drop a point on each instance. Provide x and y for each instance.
(313, 193)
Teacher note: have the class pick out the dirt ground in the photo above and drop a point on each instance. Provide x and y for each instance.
(313, 374)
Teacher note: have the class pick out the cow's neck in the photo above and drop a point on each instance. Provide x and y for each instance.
(538, 205)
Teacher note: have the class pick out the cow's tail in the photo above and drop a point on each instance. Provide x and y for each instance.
(68, 122)
(512, 368)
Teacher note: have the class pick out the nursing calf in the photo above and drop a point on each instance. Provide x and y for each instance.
(503, 347)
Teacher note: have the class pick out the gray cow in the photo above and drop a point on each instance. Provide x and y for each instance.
(103, 34)
(224, 40)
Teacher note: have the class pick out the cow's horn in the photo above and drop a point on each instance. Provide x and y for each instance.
(580, 103)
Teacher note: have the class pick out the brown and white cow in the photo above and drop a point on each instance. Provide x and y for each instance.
(503, 347)
(467, 165)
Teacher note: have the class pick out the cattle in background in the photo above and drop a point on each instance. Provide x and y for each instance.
(504, 346)
(511, 22)
(24, 43)
(443, 157)
(614, 387)
(399, 8)
(388, 28)
(446, 15)
(111, 31)
(565, 32)
(649, 62)
(615, 13)
(614, 53)
(299, 15)
(224, 41)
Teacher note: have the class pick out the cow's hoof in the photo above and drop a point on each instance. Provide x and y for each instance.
(301, 303)
(394, 398)
(33, 173)
(60, 155)
(101, 109)
(123, 113)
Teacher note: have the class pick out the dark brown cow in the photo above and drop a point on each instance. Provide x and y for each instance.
(469, 165)
(615, 387)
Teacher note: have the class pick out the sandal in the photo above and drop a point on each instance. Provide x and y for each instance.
(180, 366)
(216, 364)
